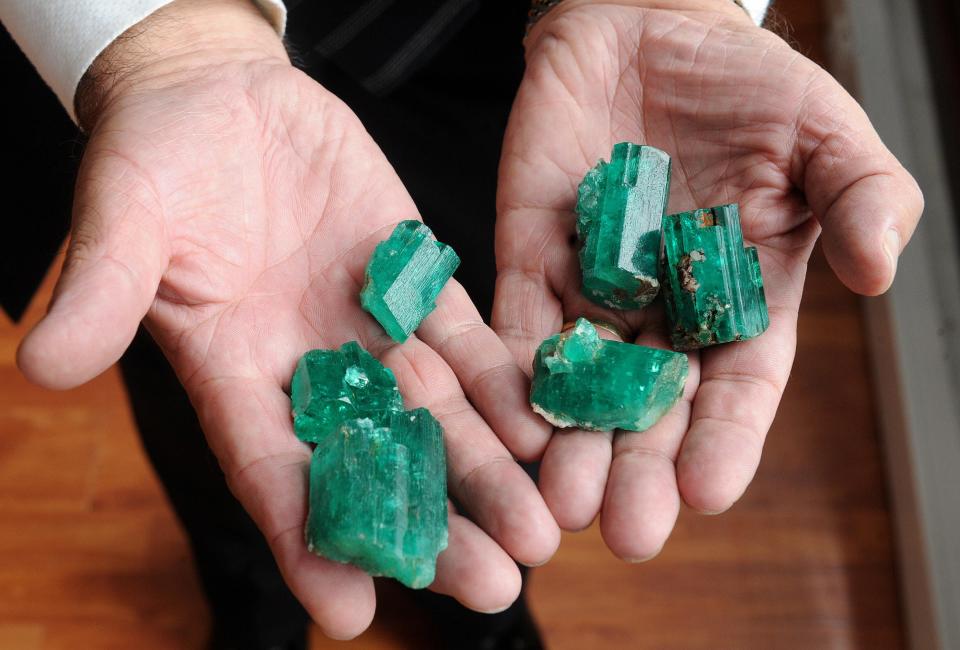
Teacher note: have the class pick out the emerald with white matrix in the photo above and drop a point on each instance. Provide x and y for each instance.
(713, 290)
(581, 380)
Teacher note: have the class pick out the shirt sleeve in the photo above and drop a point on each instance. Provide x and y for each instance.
(757, 9)
(63, 37)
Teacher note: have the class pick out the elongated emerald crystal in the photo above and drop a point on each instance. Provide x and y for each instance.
(620, 206)
(404, 276)
(584, 381)
(378, 496)
(378, 484)
(713, 289)
(330, 387)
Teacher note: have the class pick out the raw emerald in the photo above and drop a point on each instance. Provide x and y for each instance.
(581, 380)
(404, 277)
(330, 387)
(713, 289)
(620, 206)
(378, 496)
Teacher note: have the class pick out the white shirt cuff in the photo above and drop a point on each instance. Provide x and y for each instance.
(63, 37)
(757, 9)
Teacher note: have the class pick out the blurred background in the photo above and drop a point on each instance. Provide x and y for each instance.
(848, 537)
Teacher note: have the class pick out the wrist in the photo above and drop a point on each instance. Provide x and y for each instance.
(166, 47)
(732, 9)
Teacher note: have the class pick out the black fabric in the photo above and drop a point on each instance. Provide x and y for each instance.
(42, 153)
(442, 130)
(378, 43)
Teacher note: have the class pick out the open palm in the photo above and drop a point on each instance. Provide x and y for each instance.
(234, 209)
(746, 119)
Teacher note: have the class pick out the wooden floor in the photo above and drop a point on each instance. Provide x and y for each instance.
(91, 556)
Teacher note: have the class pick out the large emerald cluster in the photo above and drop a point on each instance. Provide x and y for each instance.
(378, 473)
(378, 496)
(378, 484)
(629, 249)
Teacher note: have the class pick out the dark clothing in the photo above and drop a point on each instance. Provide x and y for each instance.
(42, 149)
(442, 128)
(439, 113)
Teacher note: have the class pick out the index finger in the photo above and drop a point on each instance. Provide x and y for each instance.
(488, 373)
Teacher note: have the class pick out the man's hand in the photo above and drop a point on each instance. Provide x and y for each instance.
(232, 203)
(746, 119)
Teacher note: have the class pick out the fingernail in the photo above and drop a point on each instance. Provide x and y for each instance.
(644, 558)
(496, 610)
(891, 245)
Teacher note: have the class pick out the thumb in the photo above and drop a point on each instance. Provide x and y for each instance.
(115, 258)
(866, 202)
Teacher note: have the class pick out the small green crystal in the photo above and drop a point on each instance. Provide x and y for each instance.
(620, 206)
(582, 380)
(330, 387)
(378, 496)
(404, 277)
(713, 289)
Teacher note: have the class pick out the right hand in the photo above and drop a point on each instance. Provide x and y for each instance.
(231, 203)
(747, 120)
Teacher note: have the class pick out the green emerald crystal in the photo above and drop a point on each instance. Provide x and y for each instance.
(378, 491)
(584, 381)
(330, 387)
(620, 206)
(404, 277)
(378, 496)
(713, 289)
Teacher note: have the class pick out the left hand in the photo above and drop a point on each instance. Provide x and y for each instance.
(746, 119)
(231, 203)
